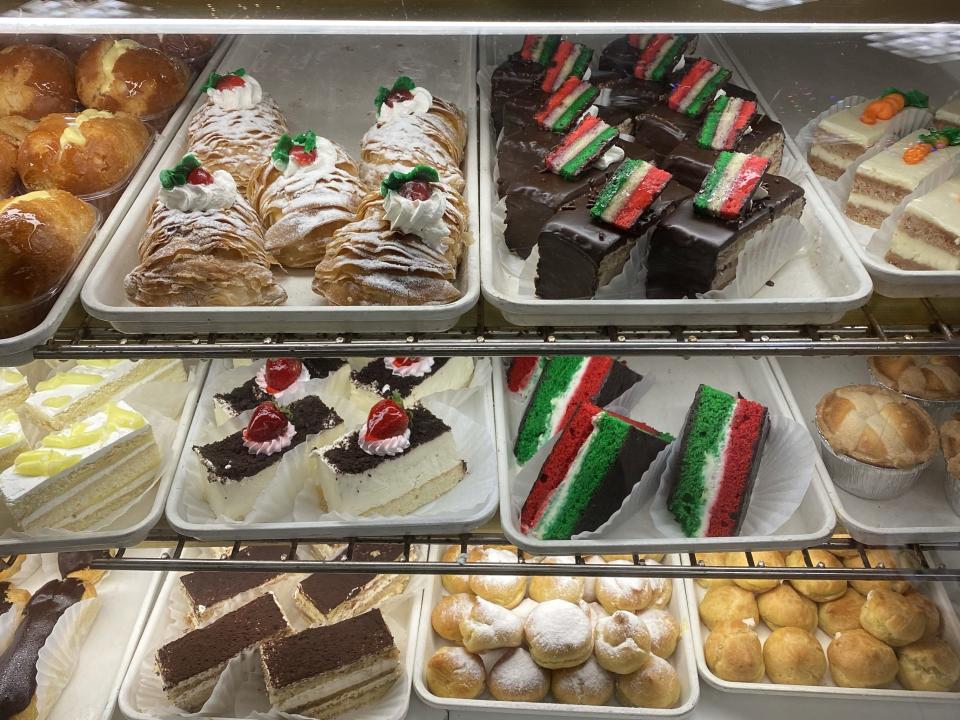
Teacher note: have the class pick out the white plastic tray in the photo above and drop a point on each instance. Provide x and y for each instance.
(887, 279)
(428, 642)
(675, 381)
(921, 515)
(816, 287)
(950, 632)
(327, 85)
(134, 525)
(18, 349)
(417, 522)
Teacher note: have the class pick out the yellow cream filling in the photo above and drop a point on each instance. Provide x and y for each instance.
(73, 134)
(9, 375)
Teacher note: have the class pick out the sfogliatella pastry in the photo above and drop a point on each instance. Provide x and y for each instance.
(306, 190)
(35, 80)
(413, 128)
(237, 127)
(123, 75)
(857, 659)
(455, 673)
(203, 246)
(13, 129)
(404, 248)
(83, 153)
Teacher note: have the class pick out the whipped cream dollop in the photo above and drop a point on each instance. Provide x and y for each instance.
(281, 396)
(388, 446)
(218, 195)
(417, 105)
(270, 447)
(242, 97)
(423, 218)
(420, 367)
(611, 156)
(324, 163)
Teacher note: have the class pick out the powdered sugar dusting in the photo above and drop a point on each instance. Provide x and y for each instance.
(558, 626)
(587, 680)
(517, 673)
(491, 625)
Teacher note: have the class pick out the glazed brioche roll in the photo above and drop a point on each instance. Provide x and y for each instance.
(13, 129)
(83, 153)
(34, 81)
(124, 76)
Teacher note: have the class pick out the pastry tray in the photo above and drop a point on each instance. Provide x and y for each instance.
(921, 515)
(428, 642)
(671, 381)
(417, 522)
(887, 279)
(17, 350)
(327, 86)
(134, 525)
(950, 632)
(822, 285)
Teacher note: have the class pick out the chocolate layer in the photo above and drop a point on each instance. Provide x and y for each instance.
(382, 381)
(635, 95)
(18, 664)
(229, 459)
(330, 590)
(510, 78)
(620, 56)
(249, 395)
(619, 380)
(70, 562)
(210, 646)
(326, 648)
(206, 589)
(5, 604)
(661, 129)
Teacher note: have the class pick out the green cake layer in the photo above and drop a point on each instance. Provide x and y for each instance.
(554, 381)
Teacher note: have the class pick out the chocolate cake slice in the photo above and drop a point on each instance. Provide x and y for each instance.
(412, 378)
(77, 564)
(326, 671)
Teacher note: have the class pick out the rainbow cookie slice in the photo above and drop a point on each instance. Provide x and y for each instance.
(660, 55)
(524, 373)
(570, 59)
(564, 383)
(697, 88)
(539, 48)
(631, 190)
(727, 190)
(581, 147)
(567, 105)
(720, 449)
(591, 470)
(726, 123)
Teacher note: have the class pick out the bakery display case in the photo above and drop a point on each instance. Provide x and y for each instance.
(439, 360)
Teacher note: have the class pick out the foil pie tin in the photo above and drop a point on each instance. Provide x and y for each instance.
(866, 481)
(939, 410)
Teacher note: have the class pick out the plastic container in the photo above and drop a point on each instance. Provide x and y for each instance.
(107, 199)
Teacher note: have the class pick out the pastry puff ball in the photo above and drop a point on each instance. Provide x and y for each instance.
(761, 558)
(817, 590)
(448, 613)
(556, 587)
(559, 634)
(843, 613)
(717, 559)
(454, 583)
(584, 684)
(632, 593)
(662, 587)
(891, 619)
(655, 685)
(664, 631)
(506, 590)
(453, 672)
(928, 665)
(489, 626)
(792, 656)
(515, 677)
(732, 651)
(728, 602)
(930, 612)
(858, 660)
(622, 643)
(877, 557)
(785, 607)
(35, 80)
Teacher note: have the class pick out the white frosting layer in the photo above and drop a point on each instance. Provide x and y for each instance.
(423, 218)
(889, 167)
(950, 113)
(845, 126)
(419, 104)
(218, 195)
(281, 397)
(11, 433)
(243, 97)
(11, 379)
(271, 447)
(387, 447)
(920, 252)
(49, 402)
(312, 695)
(421, 367)
(940, 206)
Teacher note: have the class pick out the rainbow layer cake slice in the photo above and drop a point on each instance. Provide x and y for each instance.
(841, 138)
(927, 237)
(567, 381)
(523, 373)
(81, 475)
(659, 55)
(413, 378)
(12, 440)
(948, 114)
(13, 388)
(697, 88)
(885, 179)
(570, 60)
(594, 465)
(581, 147)
(720, 449)
(564, 108)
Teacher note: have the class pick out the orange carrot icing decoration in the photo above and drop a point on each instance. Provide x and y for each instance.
(931, 142)
(890, 102)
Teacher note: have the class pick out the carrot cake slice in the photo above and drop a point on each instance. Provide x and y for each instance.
(928, 234)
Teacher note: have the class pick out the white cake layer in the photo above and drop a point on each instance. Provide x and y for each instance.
(918, 251)
(889, 167)
(940, 206)
(845, 126)
(324, 690)
(11, 432)
(949, 113)
(12, 383)
(831, 158)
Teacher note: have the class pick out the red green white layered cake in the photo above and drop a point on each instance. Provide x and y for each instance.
(720, 449)
(523, 374)
(567, 105)
(697, 88)
(594, 465)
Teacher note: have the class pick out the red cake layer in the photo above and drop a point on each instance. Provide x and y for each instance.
(590, 384)
(636, 423)
(520, 371)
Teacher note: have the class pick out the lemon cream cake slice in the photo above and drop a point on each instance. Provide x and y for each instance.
(77, 392)
(13, 388)
(12, 440)
(928, 234)
(81, 475)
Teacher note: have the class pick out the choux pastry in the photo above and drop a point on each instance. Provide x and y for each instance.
(857, 659)
(793, 656)
(455, 673)
(454, 583)
(732, 651)
(559, 634)
(515, 677)
(622, 643)
(728, 602)
(585, 684)
(662, 589)
(841, 614)
(891, 619)
(524, 609)
(556, 587)
(930, 611)
(877, 557)
(590, 583)
(817, 590)
(625, 593)
(664, 630)
(506, 590)
(761, 558)
(712, 560)
(489, 626)
(655, 685)
(928, 665)
(448, 613)
(785, 607)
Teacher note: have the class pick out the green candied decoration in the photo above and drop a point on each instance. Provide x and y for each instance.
(401, 83)
(911, 98)
(215, 77)
(177, 175)
(396, 179)
(281, 151)
(952, 135)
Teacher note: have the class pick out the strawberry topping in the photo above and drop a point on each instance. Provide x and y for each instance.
(267, 423)
(281, 373)
(302, 156)
(405, 361)
(386, 420)
(199, 176)
(416, 190)
(228, 82)
(397, 96)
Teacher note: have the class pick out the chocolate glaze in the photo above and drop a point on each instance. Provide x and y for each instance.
(18, 664)
(520, 109)
(228, 459)
(249, 395)
(347, 457)
(619, 380)
(635, 95)
(510, 78)
(685, 246)
(375, 376)
(206, 648)
(209, 588)
(323, 649)
(662, 129)
(619, 56)
(5, 604)
(70, 562)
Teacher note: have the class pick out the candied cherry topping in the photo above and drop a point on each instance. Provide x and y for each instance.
(199, 176)
(302, 156)
(281, 373)
(228, 82)
(386, 420)
(267, 423)
(416, 190)
(397, 96)
(405, 361)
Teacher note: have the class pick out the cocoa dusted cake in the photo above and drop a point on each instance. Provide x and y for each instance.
(412, 378)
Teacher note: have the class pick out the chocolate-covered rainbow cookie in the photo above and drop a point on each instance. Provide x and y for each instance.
(631, 190)
(660, 55)
(697, 88)
(570, 59)
(581, 147)
(726, 122)
(567, 105)
(727, 190)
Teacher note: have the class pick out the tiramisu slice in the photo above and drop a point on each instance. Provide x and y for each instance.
(326, 671)
(190, 666)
